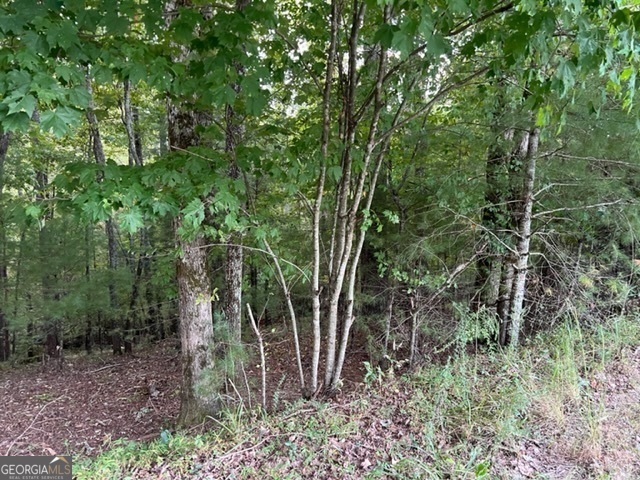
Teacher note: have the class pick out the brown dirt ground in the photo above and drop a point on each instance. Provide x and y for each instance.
(99, 398)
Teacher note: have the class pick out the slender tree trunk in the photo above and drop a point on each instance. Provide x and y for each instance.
(504, 299)
(110, 227)
(292, 314)
(128, 121)
(88, 333)
(496, 218)
(234, 256)
(346, 212)
(523, 238)
(18, 285)
(4, 292)
(317, 206)
(352, 231)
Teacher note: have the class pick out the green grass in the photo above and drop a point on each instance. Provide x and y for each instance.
(470, 418)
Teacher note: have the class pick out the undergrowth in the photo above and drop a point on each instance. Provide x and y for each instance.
(481, 415)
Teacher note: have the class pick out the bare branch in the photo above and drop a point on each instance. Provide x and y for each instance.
(599, 160)
(32, 423)
(263, 366)
(584, 207)
(441, 93)
(470, 21)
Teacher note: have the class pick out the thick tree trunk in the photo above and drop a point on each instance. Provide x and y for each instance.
(199, 393)
(199, 396)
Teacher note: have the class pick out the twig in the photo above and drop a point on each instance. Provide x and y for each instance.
(246, 383)
(292, 312)
(573, 209)
(263, 366)
(231, 453)
(103, 368)
(32, 423)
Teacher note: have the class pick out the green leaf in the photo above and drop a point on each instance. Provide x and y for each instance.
(543, 116)
(194, 213)
(224, 95)
(114, 23)
(385, 34)
(17, 122)
(33, 211)
(132, 220)
(79, 97)
(27, 105)
(60, 120)
(566, 73)
(437, 45)
(256, 103)
(403, 42)
(459, 6)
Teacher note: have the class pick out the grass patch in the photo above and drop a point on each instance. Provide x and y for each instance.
(543, 411)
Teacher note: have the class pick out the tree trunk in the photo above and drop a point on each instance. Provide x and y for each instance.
(234, 257)
(351, 235)
(199, 394)
(88, 333)
(504, 300)
(128, 121)
(523, 238)
(199, 397)
(4, 292)
(316, 291)
(110, 227)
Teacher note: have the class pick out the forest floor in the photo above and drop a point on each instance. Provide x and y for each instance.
(565, 408)
(98, 398)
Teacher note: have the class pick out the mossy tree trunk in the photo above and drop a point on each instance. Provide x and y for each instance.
(199, 396)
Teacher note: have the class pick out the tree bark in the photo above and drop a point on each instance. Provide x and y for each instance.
(346, 211)
(523, 238)
(110, 227)
(199, 394)
(4, 292)
(234, 260)
(317, 206)
(198, 397)
(128, 121)
(353, 232)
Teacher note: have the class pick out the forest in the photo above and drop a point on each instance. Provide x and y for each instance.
(303, 199)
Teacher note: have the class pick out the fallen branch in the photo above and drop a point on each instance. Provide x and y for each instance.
(104, 368)
(32, 423)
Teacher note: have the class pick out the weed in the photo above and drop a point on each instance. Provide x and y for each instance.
(469, 419)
